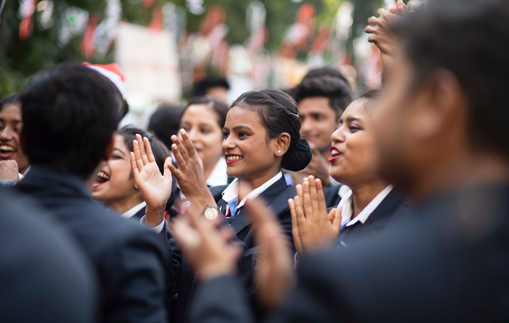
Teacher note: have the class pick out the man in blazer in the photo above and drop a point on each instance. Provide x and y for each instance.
(69, 115)
(444, 141)
(44, 276)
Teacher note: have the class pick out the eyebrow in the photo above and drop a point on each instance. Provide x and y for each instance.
(241, 127)
(352, 119)
(118, 149)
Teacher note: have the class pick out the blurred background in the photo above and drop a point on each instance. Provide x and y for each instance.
(164, 46)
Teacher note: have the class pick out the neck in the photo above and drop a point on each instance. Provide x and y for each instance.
(462, 170)
(258, 181)
(124, 205)
(362, 195)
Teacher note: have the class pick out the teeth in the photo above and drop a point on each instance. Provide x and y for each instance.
(334, 152)
(234, 157)
(103, 175)
(6, 148)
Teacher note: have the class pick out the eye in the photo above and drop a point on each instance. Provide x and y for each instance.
(205, 130)
(243, 134)
(187, 129)
(116, 157)
(225, 134)
(354, 128)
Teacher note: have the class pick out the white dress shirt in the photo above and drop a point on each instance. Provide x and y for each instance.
(129, 214)
(232, 191)
(218, 176)
(347, 205)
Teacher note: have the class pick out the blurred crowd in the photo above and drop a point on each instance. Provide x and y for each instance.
(309, 204)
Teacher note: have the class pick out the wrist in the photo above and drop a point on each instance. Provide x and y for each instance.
(154, 215)
(213, 271)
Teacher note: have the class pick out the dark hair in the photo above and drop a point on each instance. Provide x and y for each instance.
(165, 122)
(371, 94)
(12, 98)
(69, 114)
(469, 39)
(325, 71)
(201, 87)
(279, 114)
(159, 150)
(335, 88)
(220, 109)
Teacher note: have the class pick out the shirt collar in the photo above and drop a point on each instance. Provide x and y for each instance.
(134, 210)
(347, 211)
(218, 176)
(232, 191)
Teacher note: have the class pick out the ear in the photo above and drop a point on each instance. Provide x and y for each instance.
(440, 106)
(282, 143)
(109, 148)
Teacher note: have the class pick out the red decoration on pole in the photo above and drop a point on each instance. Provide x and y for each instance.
(157, 19)
(26, 27)
(88, 43)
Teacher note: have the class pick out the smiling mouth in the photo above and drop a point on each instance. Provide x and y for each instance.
(334, 154)
(102, 178)
(230, 159)
(7, 151)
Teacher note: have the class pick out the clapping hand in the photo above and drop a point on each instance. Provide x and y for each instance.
(154, 186)
(313, 229)
(379, 28)
(318, 167)
(189, 174)
(9, 170)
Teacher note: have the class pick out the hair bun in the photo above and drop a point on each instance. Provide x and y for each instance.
(298, 158)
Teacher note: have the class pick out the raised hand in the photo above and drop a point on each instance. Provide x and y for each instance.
(313, 228)
(207, 249)
(381, 36)
(189, 174)
(154, 186)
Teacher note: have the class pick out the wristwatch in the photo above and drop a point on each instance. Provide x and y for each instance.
(211, 212)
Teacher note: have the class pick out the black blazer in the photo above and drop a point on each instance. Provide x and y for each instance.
(331, 196)
(44, 277)
(447, 265)
(276, 197)
(391, 210)
(130, 261)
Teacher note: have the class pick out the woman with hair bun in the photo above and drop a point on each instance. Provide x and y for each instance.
(261, 136)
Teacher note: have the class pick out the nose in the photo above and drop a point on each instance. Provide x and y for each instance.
(305, 126)
(338, 135)
(193, 134)
(228, 143)
(6, 134)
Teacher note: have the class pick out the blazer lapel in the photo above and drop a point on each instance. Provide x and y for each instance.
(271, 196)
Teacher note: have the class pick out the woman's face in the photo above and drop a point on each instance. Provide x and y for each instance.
(353, 152)
(114, 182)
(249, 154)
(200, 122)
(10, 128)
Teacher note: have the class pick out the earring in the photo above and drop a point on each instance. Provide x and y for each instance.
(279, 151)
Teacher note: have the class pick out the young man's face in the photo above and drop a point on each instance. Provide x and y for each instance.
(318, 122)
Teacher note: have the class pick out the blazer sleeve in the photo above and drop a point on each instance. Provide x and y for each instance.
(139, 265)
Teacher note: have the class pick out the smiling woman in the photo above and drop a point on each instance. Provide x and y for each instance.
(10, 127)
(115, 185)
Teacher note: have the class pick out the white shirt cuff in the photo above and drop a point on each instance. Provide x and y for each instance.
(156, 229)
